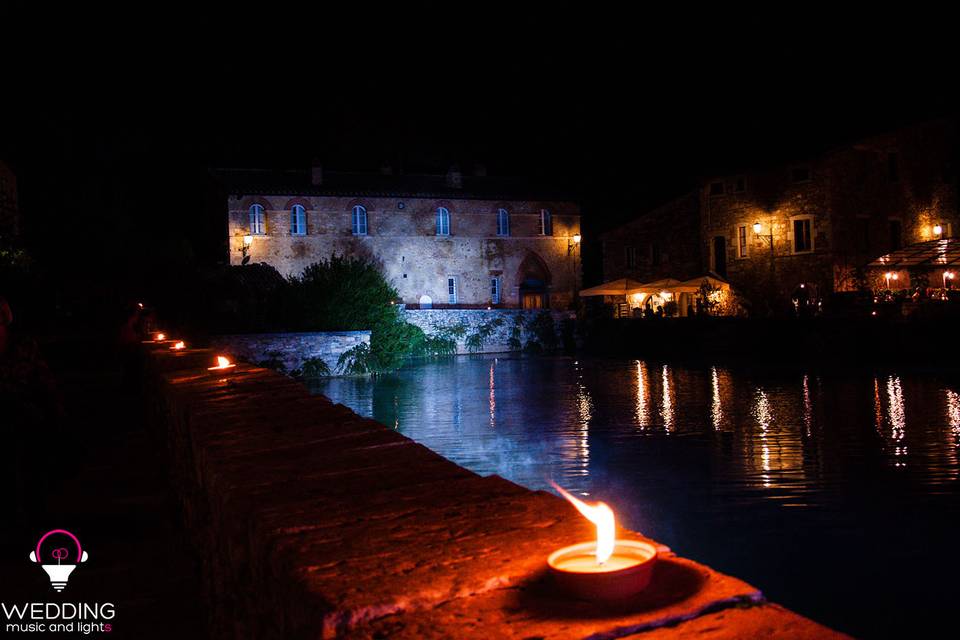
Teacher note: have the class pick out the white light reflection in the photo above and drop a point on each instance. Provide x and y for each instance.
(642, 414)
(716, 410)
(953, 415)
(764, 416)
(807, 404)
(584, 415)
(898, 421)
(666, 408)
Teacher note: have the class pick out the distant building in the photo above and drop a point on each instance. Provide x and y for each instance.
(810, 226)
(822, 220)
(663, 242)
(442, 241)
(9, 210)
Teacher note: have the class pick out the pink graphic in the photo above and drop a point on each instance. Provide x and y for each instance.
(59, 573)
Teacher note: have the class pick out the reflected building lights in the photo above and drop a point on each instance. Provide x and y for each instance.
(898, 420)
(642, 414)
(807, 405)
(666, 408)
(953, 415)
(584, 415)
(716, 409)
(764, 417)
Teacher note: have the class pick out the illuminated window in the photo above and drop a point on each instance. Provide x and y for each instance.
(503, 222)
(802, 235)
(443, 221)
(298, 221)
(258, 225)
(742, 241)
(452, 289)
(359, 221)
(546, 223)
(495, 290)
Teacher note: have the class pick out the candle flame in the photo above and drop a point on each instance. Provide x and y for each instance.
(179, 345)
(161, 336)
(601, 516)
(222, 363)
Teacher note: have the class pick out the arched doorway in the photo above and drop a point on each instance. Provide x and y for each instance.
(426, 302)
(534, 278)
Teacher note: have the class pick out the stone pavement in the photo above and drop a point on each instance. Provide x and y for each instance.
(313, 522)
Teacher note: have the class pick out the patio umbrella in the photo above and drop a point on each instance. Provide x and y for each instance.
(621, 287)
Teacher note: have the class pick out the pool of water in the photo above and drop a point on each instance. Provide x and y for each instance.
(834, 492)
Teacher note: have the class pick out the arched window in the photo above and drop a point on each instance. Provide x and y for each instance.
(298, 221)
(258, 224)
(443, 221)
(503, 222)
(546, 223)
(359, 223)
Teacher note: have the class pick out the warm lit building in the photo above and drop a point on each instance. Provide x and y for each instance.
(442, 241)
(9, 211)
(822, 220)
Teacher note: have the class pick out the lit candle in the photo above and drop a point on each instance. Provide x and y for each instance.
(222, 363)
(177, 346)
(607, 569)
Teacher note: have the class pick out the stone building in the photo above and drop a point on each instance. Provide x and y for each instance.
(817, 223)
(9, 210)
(443, 241)
(662, 243)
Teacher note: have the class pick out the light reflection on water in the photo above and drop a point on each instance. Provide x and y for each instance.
(739, 469)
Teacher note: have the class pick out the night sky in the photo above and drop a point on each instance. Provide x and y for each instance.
(112, 119)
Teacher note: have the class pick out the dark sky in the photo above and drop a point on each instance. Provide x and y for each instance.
(111, 118)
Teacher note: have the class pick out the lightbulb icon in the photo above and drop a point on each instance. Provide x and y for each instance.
(60, 572)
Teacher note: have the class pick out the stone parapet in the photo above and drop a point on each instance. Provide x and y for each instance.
(291, 349)
(313, 522)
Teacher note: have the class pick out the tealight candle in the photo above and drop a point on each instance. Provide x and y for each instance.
(179, 345)
(605, 570)
(222, 363)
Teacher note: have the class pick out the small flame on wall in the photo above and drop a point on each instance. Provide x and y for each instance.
(222, 363)
(601, 516)
(178, 346)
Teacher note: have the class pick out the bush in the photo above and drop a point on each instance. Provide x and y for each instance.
(315, 368)
(482, 333)
(544, 333)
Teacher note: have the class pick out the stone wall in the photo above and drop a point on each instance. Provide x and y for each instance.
(433, 321)
(312, 522)
(401, 238)
(291, 348)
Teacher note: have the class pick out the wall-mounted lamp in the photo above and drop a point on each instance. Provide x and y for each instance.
(757, 228)
(890, 275)
(937, 230)
(573, 243)
(948, 275)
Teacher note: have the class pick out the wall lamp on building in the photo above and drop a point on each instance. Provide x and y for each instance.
(573, 243)
(937, 230)
(948, 275)
(245, 248)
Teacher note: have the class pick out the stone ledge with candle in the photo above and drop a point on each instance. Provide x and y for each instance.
(315, 522)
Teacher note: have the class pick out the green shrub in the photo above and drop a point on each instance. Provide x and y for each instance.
(315, 368)
(358, 360)
(481, 334)
(516, 333)
(543, 332)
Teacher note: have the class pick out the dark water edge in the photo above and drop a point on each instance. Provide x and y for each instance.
(833, 488)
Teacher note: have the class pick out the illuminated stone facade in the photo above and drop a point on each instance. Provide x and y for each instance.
(531, 268)
(821, 221)
(9, 211)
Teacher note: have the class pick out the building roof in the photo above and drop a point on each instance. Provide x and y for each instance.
(298, 182)
(932, 254)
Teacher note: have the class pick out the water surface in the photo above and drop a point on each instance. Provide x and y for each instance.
(832, 491)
